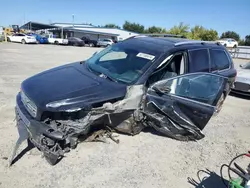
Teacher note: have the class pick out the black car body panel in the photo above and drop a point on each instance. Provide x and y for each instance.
(151, 83)
(73, 41)
(81, 88)
(88, 41)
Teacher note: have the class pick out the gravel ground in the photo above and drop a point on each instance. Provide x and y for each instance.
(145, 160)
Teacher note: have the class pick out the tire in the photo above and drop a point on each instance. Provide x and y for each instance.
(56, 42)
(23, 41)
(235, 46)
(225, 45)
(8, 39)
(91, 44)
(38, 42)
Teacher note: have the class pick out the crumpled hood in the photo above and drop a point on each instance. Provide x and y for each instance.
(73, 83)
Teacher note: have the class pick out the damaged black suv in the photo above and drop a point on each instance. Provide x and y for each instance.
(172, 85)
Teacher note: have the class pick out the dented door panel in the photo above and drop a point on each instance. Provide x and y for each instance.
(184, 105)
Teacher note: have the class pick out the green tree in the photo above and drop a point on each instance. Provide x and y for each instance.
(209, 35)
(181, 29)
(230, 34)
(112, 26)
(247, 40)
(154, 29)
(196, 32)
(241, 42)
(134, 27)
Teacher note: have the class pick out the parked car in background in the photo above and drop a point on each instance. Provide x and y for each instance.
(21, 38)
(242, 82)
(172, 85)
(228, 42)
(39, 38)
(104, 42)
(54, 40)
(74, 41)
(1, 38)
(89, 42)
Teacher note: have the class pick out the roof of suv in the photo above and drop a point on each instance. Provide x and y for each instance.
(170, 42)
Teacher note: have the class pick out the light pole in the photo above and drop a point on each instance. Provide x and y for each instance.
(73, 19)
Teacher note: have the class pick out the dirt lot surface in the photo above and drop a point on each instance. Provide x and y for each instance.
(145, 160)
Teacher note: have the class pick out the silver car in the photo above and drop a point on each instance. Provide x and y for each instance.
(242, 82)
(104, 42)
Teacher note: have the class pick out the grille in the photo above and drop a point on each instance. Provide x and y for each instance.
(29, 105)
(241, 86)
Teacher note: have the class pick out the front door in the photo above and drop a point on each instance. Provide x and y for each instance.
(180, 107)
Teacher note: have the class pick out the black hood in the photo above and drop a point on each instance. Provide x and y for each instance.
(74, 83)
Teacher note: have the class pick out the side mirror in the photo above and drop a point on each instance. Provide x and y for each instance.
(161, 90)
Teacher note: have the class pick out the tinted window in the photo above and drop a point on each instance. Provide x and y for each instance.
(199, 60)
(198, 87)
(219, 60)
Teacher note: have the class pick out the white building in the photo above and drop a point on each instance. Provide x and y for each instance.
(100, 32)
(80, 30)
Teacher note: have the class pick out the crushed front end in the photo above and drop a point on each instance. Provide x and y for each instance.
(55, 137)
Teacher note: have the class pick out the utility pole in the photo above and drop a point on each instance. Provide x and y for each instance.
(24, 19)
(73, 19)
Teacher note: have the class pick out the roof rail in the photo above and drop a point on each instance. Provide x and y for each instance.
(196, 42)
(164, 35)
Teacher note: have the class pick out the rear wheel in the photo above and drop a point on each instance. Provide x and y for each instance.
(235, 46)
(8, 39)
(225, 45)
(23, 41)
(56, 42)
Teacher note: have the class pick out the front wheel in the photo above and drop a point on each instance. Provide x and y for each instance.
(235, 46)
(56, 43)
(8, 39)
(23, 41)
(91, 44)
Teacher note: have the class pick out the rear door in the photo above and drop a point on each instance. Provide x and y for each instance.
(180, 107)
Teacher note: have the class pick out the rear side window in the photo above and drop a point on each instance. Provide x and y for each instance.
(198, 60)
(219, 60)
